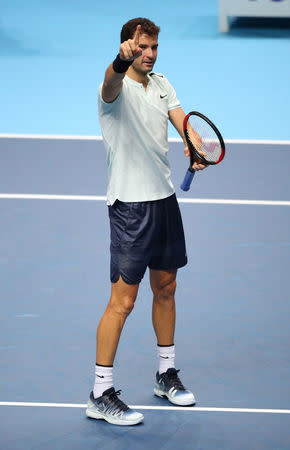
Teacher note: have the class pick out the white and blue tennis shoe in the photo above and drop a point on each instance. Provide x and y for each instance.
(168, 385)
(110, 408)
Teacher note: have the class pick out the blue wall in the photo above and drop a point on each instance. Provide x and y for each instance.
(53, 54)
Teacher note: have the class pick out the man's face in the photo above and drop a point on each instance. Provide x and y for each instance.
(148, 44)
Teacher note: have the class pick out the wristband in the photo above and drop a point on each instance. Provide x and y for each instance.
(121, 66)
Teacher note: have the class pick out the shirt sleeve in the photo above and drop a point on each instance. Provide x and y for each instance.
(104, 107)
(109, 118)
(173, 101)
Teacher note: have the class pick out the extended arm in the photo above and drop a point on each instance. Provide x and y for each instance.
(129, 50)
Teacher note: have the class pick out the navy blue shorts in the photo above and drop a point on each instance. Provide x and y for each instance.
(145, 234)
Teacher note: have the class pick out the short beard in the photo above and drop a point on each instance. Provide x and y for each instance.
(141, 71)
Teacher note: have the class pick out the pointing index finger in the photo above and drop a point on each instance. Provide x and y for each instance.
(137, 35)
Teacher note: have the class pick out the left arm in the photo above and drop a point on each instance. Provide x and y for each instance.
(176, 117)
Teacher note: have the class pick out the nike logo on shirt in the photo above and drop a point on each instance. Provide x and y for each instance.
(100, 376)
(163, 96)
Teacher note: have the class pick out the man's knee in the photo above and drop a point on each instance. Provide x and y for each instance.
(123, 297)
(122, 305)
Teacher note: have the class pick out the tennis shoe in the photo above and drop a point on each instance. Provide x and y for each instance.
(168, 385)
(110, 408)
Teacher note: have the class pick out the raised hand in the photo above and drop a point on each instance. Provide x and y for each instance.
(130, 50)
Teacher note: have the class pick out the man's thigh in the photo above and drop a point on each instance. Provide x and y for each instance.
(122, 290)
(161, 279)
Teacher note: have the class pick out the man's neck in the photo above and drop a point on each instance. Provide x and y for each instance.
(136, 76)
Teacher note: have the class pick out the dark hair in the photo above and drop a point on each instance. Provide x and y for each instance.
(129, 28)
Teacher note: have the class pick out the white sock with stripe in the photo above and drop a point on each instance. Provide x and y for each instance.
(166, 357)
(103, 379)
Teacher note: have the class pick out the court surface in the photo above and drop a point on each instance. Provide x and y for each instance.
(232, 335)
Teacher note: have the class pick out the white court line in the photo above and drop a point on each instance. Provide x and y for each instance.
(216, 201)
(244, 141)
(256, 142)
(154, 408)
(100, 138)
(68, 137)
(53, 197)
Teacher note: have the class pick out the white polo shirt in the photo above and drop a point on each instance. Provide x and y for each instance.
(135, 133)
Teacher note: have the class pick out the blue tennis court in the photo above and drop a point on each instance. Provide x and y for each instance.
(232, 334)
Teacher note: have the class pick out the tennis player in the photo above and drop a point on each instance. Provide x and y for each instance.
(146, 227)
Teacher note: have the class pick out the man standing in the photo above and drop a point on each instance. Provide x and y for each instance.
(145, 221)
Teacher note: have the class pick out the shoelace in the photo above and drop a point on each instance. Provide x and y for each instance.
(175, 380)
(115, 404)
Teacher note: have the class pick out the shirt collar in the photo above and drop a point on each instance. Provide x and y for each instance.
(136, 83)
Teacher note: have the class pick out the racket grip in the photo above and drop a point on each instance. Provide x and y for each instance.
(185, 185)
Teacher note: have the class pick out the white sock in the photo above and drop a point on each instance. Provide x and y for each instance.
(166, 358)
(103, 380)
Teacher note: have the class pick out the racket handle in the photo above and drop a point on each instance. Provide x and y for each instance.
(185, 185)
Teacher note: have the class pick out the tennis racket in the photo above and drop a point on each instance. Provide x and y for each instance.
(201, 136)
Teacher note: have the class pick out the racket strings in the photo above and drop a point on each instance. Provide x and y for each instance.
(204, 138)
